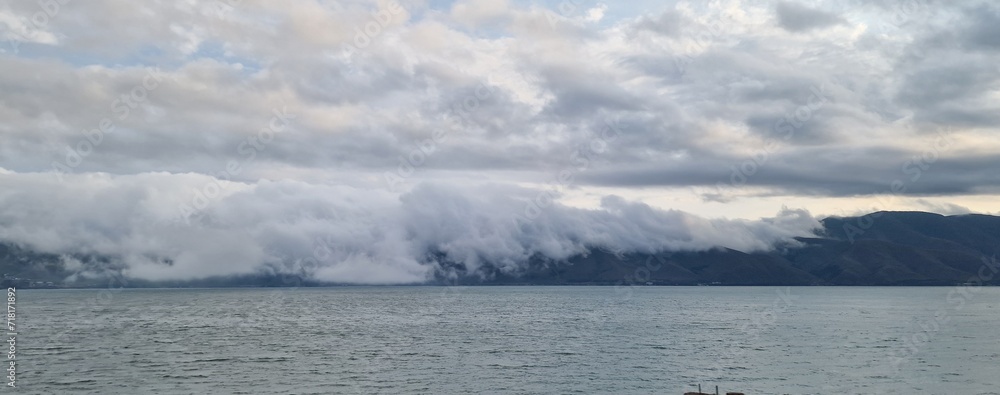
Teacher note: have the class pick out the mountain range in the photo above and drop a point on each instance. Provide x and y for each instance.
(881, 248)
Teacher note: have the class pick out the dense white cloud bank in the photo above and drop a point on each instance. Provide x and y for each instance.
(341, 234)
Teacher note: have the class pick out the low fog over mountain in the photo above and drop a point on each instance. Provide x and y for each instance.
(343, 234)
(126, 229)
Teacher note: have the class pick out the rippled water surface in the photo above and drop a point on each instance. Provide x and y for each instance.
(516, 340)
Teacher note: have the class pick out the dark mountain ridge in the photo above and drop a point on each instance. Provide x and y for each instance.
(882, 248)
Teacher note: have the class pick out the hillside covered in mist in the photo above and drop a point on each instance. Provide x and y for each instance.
(884, 248)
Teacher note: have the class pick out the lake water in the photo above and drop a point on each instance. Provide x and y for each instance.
(510, 340)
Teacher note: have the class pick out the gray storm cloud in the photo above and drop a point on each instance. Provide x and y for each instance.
(696, 87)
(339, 233)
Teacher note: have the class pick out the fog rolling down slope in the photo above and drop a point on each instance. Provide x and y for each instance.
(883, 248)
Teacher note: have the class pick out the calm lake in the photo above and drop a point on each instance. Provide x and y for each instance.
(510, 340)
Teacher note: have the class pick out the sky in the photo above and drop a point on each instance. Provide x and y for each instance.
(357, 141)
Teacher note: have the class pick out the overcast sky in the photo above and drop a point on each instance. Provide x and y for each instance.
(227, 135)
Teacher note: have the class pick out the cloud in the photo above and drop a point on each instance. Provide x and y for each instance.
(943, 208)
(667, 23)
(983, 31)
(338, 233)
(708, 86)
(796, 17)
(473, 13)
